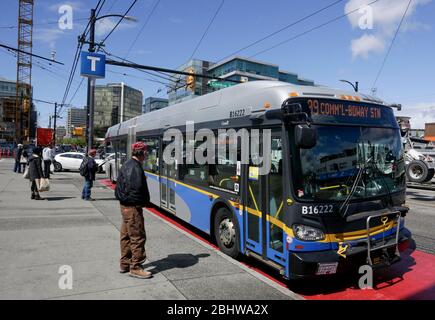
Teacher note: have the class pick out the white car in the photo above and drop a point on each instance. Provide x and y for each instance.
(109, 162)
(72, 161)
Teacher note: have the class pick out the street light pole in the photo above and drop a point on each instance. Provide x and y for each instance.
(354, 86)
(54, 123)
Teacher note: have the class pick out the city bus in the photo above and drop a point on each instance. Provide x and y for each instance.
(332, 199)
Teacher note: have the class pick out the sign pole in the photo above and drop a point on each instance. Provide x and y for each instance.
(91, 87)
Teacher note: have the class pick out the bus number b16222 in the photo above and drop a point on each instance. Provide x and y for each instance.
(320, 209)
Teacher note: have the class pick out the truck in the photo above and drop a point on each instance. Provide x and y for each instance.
(44, 136)
(419, 154)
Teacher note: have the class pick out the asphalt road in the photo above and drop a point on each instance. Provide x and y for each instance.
(421, 218)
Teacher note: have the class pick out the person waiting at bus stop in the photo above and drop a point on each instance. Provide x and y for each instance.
(133, 194)
(88, 169)
(18, 154)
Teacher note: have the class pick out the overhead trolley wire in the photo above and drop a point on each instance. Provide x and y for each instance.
(284, 28)
(208, 27)
(117, 24)
(391, 44)
(143, 27)
(314, 28)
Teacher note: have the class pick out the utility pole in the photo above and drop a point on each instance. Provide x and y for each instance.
(91, 86)
(54, 123)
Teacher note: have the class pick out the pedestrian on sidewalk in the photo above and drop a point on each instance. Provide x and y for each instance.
(24, 159)
(47, 156)
(88, 169)
(132, 193)
(35, 172)
(18, 153)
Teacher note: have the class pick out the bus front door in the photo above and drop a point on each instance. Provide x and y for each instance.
(264, 211)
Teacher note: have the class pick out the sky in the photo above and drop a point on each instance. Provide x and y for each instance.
(352, 47)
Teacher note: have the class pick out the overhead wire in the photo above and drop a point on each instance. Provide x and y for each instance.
(206, 29)
(142, 28)
(391, 44)
(283, 28)
(313, 28)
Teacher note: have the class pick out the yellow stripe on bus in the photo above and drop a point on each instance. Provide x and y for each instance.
(329, 237)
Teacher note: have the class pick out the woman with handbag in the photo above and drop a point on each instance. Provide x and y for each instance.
(35, 172)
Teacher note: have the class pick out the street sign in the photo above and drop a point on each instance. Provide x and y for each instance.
(93, 65)
(220, 84)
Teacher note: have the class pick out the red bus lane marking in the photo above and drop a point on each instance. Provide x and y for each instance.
(412, 278)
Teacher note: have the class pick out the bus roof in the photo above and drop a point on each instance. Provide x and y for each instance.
(252, 96)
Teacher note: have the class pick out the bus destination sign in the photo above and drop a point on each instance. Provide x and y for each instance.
(350, 112)
(328, 108)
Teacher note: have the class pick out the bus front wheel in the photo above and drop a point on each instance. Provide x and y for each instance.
(226, 232)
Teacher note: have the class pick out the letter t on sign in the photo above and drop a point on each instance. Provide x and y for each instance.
(93, 62)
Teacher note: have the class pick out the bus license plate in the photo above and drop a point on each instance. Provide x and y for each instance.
(327, 268)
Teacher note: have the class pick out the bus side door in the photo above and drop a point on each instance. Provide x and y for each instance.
(264, 206)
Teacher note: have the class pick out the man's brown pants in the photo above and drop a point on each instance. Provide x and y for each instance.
(133, 238)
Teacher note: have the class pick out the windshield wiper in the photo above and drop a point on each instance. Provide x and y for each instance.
(352, 190)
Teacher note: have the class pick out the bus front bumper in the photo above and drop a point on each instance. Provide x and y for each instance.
(316, 263)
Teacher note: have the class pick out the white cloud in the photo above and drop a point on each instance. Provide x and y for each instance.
(104, 26)
(386, 17)
(366, 44)
(420, 114)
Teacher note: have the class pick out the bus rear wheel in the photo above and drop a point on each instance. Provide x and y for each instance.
(226, 232)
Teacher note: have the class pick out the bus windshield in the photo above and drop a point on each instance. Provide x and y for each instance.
(368, 160)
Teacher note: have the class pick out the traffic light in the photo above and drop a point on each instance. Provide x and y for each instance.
(190, 80)
(78, 131)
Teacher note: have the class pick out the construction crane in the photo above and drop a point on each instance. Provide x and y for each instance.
(23, 104)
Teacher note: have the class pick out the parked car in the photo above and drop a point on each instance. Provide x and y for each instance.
(72, 161)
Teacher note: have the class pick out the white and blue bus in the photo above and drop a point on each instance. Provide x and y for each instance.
(332, 200)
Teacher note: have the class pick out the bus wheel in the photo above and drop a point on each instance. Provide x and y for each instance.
(417, 171)
(226, 232)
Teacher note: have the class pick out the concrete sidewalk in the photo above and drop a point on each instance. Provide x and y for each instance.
(38, 237)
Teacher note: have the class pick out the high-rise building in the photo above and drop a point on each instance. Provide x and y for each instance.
(76, 119)
(235, 68)
(114, 103)
(153, 103)
(60, 133)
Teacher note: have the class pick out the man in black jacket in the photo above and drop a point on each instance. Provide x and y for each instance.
(18, 153)
(132, 193)
(89, 171)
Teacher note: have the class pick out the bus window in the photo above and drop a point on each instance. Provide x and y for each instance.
(222, 173)
(151, 156)
(193, 173)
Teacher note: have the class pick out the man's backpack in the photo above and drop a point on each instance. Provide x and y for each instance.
(84, 167)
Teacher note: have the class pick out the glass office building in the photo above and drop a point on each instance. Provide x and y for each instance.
(114, 103)
(235, 68)
(154, 103)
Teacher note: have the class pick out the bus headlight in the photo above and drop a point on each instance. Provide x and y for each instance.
(307, 233)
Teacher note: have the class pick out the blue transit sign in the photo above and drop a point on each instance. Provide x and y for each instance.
(93, 65)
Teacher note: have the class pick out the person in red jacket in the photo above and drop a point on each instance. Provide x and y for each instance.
(132, 193)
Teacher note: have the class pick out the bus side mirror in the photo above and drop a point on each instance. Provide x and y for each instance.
(274, 114)
(305, 136)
